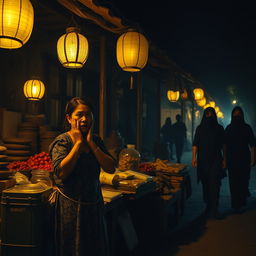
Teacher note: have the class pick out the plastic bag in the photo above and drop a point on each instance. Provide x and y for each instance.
(21, 178)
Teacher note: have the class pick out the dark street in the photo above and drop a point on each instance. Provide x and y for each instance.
(234, 234)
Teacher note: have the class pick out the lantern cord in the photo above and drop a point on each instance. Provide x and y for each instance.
(73, 21)
(131, 82)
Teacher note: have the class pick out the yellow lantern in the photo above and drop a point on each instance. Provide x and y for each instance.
(34, 89)
(72, 48)
(217, 109)
(206, 106)
(132, 51)
(173, 96)
(212, 104)
(202, 102)
(184, 94)
(16, 23)
(198, 93)
(220, 114)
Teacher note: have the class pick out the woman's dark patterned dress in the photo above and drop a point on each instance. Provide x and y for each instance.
(80, 227)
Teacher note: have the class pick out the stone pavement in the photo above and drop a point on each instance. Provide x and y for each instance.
(234, 235)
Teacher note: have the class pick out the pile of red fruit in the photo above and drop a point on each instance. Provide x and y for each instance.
(39, 161)
(18, 166)
(146, 167)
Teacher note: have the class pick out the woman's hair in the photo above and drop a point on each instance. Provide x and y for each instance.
(71, 106)
(206, 111)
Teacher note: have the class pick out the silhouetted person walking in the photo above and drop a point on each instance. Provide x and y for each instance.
(240, 144)
(179, 134)
(167, 135)
(207, 157)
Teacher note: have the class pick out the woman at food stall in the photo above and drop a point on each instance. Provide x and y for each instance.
(77, 156)
(239, 150)
(207, 156)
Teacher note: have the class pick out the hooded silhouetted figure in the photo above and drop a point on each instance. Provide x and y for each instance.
(207, 157)
(167, 135)
(240, 144)
(179, 134)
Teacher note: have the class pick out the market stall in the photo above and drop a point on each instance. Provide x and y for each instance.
(139, 196)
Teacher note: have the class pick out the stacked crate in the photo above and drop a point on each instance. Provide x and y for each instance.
(3, 158)
(18, 149)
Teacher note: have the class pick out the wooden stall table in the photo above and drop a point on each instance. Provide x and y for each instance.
(119, 219)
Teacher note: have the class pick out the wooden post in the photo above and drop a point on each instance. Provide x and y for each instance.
(139, 113)
(159, 109)
(193, 119)
(102, 87)
(182, 110)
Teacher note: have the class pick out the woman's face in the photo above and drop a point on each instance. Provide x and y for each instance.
(83, 116)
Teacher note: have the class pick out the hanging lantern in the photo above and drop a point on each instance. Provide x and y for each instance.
(202, 102)
(206, 106)
(173, 96)
(72, 48)
(184, 94)
(212, 104)
(16, 23)
(220, 114)
(217, 109)
(34, 89)
(132, 52)
(198, 93)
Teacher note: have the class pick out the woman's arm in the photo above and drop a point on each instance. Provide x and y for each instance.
(106, 162)
(68, 163)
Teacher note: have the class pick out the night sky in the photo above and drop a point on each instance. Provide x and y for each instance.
(215, 43)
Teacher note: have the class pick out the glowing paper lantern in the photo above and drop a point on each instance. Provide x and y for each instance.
(34, 89)
(173, 96)
(72, 48)
(217, 109)
(184, 94)
(132, 52)
(202, 102)
(198, 93)
(212, 104)
(206, 106)
(220, 114)
(16, 23)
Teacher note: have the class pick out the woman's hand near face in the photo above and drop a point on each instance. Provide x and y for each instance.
(75, 132)
(89, 134)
